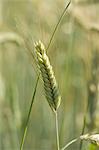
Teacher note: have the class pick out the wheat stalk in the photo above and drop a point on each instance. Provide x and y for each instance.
(56, 104)
(50, 84)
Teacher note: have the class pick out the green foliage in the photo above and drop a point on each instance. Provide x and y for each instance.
(92, 147)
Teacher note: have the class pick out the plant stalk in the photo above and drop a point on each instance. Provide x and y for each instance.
(62, 15)
(57, 131)
(27, 121)
(68, 144)
(84, 124)
(26, 126)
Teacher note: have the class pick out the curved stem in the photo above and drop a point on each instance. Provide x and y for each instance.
(68, 144)
(57, 131)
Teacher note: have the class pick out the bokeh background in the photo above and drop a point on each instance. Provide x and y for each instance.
(74, 54)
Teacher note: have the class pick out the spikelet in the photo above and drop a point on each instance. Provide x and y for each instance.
(94, 138)
(50, 85)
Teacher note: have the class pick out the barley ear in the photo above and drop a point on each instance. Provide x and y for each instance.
(50, 84)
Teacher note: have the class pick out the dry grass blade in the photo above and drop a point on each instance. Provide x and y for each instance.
(50, 84)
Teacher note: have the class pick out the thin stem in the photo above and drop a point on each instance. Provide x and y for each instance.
(57, 131)
(28, 117)
(62, 15)
(68, 144)
(84, 124)
(83, 129)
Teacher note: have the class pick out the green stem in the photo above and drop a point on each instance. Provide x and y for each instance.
(57, 131)
(27, 121)
(62, 15)
(84, 124)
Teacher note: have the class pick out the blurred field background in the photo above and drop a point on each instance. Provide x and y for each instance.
(74, 54)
